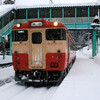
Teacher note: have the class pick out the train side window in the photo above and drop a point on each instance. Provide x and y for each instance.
(36, 38)
(56, 34)
(20, 35)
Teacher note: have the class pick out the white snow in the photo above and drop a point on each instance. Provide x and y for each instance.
(6, 60)
(56, 3)
(5, 8)
(83, 81)
(6, 72)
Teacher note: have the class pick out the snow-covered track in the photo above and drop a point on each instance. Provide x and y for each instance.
(6, 80)
(14, 91)
(6, 65)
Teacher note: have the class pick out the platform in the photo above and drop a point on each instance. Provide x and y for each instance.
(83, 80)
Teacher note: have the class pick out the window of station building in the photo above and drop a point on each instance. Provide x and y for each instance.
(0, 23)
(93, 11)
(6, 19)
(44, 12)
(21, 14)
(69, 12)
(36, 38)
(56, 34)
(56, 12)
(20, 35)
(32, 13)
(82, 12)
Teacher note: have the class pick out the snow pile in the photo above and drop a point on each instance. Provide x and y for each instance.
(6, 60)
(82, 82)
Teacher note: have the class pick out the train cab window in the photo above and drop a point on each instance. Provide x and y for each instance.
(36, 38)
(20, 35)
(56, 34)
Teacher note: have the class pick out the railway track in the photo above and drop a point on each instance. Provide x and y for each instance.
(6, 65)
(15, 91)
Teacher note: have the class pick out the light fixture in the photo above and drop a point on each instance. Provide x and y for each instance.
(55, 23)
(18, 25)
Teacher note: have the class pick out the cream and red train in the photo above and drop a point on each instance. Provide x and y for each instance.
(42, 51)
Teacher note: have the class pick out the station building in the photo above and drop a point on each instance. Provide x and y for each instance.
(76, 17)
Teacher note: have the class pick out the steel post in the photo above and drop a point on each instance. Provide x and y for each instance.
(50, 14)
(26, 15)
(62, 15)
(11, 44)
(38, 13)
(94, 45)
(75, 17)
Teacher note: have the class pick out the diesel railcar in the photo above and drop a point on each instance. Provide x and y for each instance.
(42, 51)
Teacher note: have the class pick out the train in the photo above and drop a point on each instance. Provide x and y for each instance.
(42, 51)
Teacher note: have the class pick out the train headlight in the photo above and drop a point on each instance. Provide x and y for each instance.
(55, 23)
(18, 25)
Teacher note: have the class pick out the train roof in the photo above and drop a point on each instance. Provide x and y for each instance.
(38, 24)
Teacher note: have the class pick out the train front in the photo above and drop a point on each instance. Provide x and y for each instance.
(39, 50)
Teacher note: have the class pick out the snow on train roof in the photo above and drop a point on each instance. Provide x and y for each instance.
(54, 3)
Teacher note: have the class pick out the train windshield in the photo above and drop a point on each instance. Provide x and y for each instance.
(56, 34)
(20, 35)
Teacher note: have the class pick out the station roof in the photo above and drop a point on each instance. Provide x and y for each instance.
(21, 4)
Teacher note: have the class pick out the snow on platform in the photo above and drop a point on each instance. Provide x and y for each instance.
(8, 59)
(83, 80)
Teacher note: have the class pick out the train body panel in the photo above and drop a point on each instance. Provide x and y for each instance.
(42, 50)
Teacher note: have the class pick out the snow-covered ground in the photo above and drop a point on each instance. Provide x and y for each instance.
(6, 60)
(82, 82)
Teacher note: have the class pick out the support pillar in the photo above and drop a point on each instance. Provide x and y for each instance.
(38, 13)
(75, 17)
(62, 15)
(88, 15)
(94, 46)
(0, 38)
(11, 44)
(50, 15)
(26, 15)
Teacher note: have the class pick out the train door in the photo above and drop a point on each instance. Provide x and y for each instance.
(37, 54)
